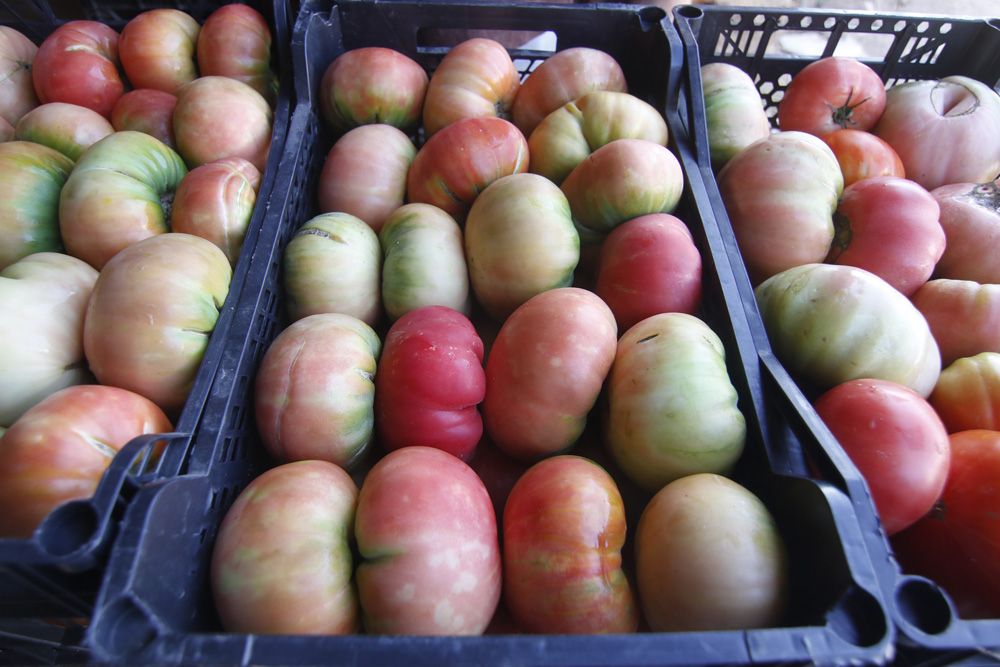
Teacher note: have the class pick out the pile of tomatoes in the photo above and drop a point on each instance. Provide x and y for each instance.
(870, 226)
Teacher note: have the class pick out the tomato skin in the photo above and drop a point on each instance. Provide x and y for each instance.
(564, 528)
(889, 226)
(649, 265)
(963, 315)
(17, 91)
(957, 545)
(896, 440)
(970, 216)
(734, 111)
(157, 49)
(967, 395)
(545, 371)
(235, 41)
(78, 64)
(430, 381)
(146, 110)
(863, 155)
(830, 94)
(561, 78)
(68, 128)
(477, 79)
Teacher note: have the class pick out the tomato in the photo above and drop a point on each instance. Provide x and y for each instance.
(672, 409)
(563, 531)
(58, 450)
(217, 117)
(44, 296)
(832, 93)
(519, 241)
(476, 79)
(569, 134)
(423, 261)
(31, 178)
(967, 395)
(649, 265)
(235, 41)
(149, 111)
(430, 383)
(152, 311)
(157, 49)
(17, 92)
(561, 78)
(734, 111)
(333, 265)
(365, 173)
(622, 180)
(957, 545)
(709, 557)
(945, 131)
(215, 201)
(863, 155)
(897, 441)
(545, 371)
(296, 519)
(68, 128)
(780, 194)
(829, 324)
(112, 198)
(889, 226)
(456, 164)
(963, 315)
(298, 416)
(970, 216)
(78, 64)
(429, 546)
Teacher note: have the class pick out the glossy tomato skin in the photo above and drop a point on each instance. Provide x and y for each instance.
(561, 78)
(563, 529)
(78, 64)
(296, 519)
(476, 79)
(830, 94)
(889, 226)
(649, 265)
(157, 49)
(957, 545)
(58, 450)
(896, 440)
(146, 110)
(780, 194)
(545, 371)
(967, 395)
(830, 324)
(17, 92)
(365, 173)
(68, 128)
(863, 155)
(372, 85)
(235, 41)
(429, 545)
(456, 164)
(970, 216)
(430, 383)
(215, 201)
(963, 315)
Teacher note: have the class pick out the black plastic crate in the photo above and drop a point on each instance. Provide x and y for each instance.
(48, 583)
(155, 605)
(915, 48)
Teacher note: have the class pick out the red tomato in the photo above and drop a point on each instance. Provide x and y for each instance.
(896, 440)
(158, 49)
(563, 530)
(863, 155)
(889, 226)
(430, 381)
(146, 110)
(649, 265)
(78, 64)
(831, 94)
(958, 544)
